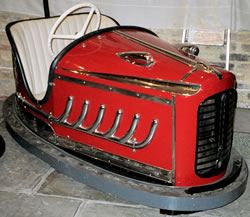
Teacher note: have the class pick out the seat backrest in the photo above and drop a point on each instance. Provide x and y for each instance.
(31, 40)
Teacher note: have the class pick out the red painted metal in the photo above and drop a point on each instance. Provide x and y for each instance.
(99, 54)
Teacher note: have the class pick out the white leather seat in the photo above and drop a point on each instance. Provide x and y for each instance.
(31, 39)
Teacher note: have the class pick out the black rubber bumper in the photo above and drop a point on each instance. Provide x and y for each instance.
(2, 146)
(163, 197)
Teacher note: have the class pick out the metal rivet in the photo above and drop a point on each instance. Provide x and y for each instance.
(99, 37)
(83, 45)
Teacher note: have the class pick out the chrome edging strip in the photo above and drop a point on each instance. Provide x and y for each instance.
(189, 73)
(188, 61)
(115, 160)
(113, 89)
(30, 106)
(176, 56)
(155, 84)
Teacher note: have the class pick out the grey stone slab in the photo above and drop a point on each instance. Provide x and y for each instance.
(92, 209)
(242, 120)
(241, 142)
(19, 170)
(21, 205)
(59, 184)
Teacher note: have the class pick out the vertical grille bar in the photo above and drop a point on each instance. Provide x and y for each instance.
(215, 133)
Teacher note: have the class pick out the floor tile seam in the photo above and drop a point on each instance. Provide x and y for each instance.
(5, 67)
(61, 196)
(39, 184)
(26, 191)
(242, 131)
(89, 201)
(81, 206)
(116, 204)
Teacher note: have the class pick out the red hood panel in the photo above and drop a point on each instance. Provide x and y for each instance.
(99, 54)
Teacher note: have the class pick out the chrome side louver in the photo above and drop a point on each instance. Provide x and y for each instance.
(125, 140)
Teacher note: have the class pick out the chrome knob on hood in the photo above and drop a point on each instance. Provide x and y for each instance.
(191, 50)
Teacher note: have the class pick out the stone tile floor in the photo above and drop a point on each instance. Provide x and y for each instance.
(30, 188)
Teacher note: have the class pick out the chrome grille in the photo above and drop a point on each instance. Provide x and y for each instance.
(215, 133)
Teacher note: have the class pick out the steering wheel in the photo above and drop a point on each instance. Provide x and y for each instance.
(60, 20)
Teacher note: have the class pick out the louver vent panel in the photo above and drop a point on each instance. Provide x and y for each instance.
(215, 133)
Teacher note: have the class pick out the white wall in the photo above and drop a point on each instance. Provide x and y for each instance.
(201, 14)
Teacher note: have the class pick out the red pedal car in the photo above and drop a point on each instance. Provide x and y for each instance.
(125, 112)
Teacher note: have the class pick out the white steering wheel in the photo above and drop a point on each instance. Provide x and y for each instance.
(93, 9)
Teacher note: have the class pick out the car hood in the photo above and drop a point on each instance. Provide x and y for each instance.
(136, 57)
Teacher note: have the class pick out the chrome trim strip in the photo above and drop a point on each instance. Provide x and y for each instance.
(155, 84)
(93, 129)
(116, 160)
(176, 56)
(189, 73)
(22, 100)
(209, 69)
(183, 59)
(113, 89)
